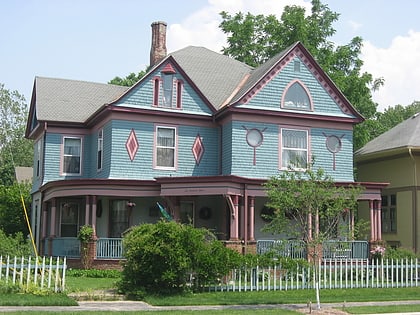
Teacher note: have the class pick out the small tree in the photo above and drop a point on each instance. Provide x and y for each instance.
(164, 257)
(86, 237)
(308, 205)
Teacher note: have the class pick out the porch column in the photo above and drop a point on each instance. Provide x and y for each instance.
(44, 240)
(234, 221)
(53, 214)
(251, 218)
(379, 220)
(242, 219)
(94, 199)
(87, 212)
(372, 221)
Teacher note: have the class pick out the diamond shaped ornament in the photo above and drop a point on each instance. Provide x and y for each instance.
(132, 145)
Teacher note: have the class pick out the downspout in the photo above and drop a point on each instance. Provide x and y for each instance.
(415, 202)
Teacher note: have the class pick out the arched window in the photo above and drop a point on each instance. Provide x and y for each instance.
(296, 97)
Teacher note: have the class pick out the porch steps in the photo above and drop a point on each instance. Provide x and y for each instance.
(97, 295)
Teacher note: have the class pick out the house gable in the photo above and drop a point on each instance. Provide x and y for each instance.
(269, 84)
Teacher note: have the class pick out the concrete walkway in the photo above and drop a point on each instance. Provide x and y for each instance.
(85, 306)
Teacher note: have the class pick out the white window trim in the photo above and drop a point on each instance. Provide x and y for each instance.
(155, 165)
(306, 130)
(81, 156)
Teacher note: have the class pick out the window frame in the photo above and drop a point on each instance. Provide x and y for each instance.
(174, 147)
(114, 207)
(77, 214)
(167, 81)
(305, 89)
(389, 213)
(38, 157)
(100, 150)
(64, 155)
(281, 147)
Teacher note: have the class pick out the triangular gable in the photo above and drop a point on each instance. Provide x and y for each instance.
(167, 66)
(262, 75)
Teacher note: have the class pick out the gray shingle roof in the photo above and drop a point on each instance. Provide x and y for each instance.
(404, 135)
(72, 100)
(258, 73)
(216, 75)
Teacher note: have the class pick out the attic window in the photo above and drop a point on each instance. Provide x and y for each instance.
(296, 97)
(297, 66)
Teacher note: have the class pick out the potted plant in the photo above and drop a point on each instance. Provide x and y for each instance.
(87, 240)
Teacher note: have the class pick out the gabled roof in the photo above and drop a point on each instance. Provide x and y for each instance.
(214, 74)
(62, 100)
(403, 136)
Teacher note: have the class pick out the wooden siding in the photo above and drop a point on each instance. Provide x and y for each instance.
(267, 155)
(227, 140)
(142, 165)
(141, 96)
(271, 94)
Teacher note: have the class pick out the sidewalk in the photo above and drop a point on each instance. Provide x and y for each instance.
(327, 308)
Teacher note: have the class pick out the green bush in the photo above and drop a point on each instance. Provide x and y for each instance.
(14, 245)
(399, 253)
(168, 258)
(94, 273)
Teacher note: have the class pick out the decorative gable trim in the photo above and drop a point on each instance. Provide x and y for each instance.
(168, 69)
(298, 50)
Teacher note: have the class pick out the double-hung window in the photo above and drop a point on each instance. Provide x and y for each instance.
(389, 213)
(69, 218)
(72, 156)
(294, 148)
(100, 154)
(165, 147)
(38, 157)
(168, 87)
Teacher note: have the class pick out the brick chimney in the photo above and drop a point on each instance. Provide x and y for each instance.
(158, 49)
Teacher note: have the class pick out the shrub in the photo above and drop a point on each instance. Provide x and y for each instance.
(399, 253)
(162, 258)
(14, 245)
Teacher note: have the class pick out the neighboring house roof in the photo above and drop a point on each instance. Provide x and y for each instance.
(403, 136)
(71, 100)
(215, 75)
(23, 174)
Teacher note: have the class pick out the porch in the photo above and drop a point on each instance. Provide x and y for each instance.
(112, 248)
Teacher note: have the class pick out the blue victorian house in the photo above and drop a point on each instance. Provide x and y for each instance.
(199, 134)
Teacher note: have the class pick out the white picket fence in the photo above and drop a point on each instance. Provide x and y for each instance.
(332, 274)
(43, 273)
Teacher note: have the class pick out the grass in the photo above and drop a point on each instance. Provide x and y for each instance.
(78, 283)
(183, 312)
(383, 309)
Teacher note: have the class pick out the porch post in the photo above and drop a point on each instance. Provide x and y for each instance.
(44, 228)
(242, 219)
(53, 214)
(251, 218)
(87, 208)
(94, 199)
(379, 220)
(372, 221)
(234, 222)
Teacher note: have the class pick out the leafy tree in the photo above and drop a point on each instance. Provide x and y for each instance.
(12, 216)
(14, 245)
(159, 258)
(14, 148)
(308, 205)
(254, 39)
(129, 80)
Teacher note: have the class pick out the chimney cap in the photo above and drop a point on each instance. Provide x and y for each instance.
(159, 22)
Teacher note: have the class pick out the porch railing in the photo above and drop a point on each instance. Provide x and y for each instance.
(330, 249)
(109, 248)
(66, 246)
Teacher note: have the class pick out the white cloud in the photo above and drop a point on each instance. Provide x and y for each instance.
(355, 26)
(398, 65)
(201, 28)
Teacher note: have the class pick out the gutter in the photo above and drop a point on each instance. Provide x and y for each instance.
(415, 202)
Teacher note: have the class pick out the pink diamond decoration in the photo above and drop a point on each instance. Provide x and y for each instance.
(132, 145)
(198, 149)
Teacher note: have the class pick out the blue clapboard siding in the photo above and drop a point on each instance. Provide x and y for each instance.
(141, 96)
(267, 155)
(226, 144)
(142, 166)
(271, 94)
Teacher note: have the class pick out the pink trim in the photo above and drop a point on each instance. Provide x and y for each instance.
(156, 83)
(168, 69)
(155, 166)
(298, 128)
(62, 156)
(286, 89)
(179, 90)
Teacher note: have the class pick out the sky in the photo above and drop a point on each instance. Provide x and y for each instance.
(96, 40)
